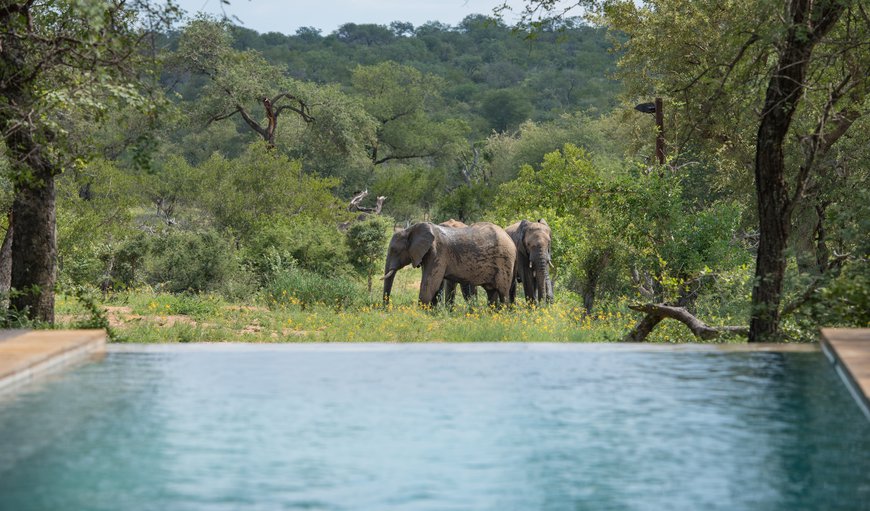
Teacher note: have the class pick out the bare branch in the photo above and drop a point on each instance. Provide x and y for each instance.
(251, 122)
(700, 329)
(221, 117)
(821, 140)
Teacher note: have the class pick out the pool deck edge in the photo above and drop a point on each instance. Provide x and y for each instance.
(27, 355)
(848, 349)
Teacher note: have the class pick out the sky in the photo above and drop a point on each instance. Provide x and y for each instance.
(286, 16)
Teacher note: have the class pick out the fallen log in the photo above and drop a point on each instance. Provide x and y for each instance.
(657, 312)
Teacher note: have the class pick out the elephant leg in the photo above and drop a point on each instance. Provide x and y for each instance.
(492, 296)
(439, 295)
(430, 284)
(449, 292)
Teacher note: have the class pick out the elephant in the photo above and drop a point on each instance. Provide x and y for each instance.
(532, 240)
(478, 255)
(448, 288)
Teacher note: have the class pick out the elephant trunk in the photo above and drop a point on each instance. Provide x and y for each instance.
(388, 287)
(542, 276)
(390, 269)
(540, 261)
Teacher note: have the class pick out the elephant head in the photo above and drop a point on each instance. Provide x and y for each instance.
(409, 246)
(533, 250)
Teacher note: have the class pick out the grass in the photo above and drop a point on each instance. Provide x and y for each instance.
(144, 316)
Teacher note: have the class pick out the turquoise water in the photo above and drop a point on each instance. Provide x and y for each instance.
(437, 429)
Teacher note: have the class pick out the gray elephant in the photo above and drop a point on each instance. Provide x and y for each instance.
(532, 240)
(448, 288)
(479, 255)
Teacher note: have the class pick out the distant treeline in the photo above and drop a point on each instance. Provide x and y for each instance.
(495, 76)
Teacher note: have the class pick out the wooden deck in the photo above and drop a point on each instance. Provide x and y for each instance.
(25, 355)
(849, 350)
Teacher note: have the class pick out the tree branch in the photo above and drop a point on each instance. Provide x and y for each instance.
(700, 329)
(252, 123)
(820, 141)
(403, 157)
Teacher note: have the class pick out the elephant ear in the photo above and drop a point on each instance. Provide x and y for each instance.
(544, 222)
(521, 233)
(422, 240)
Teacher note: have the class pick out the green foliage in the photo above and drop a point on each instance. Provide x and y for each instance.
(302, 240)
(845, 302)
(507, 153)
(411, 190)
(96, 315)
(615, 229)
(321, 118)
(565, 69)
(466, 203)
(197, 306)
(402, 101)
(505, 108)
(95, 222)
(190, 261)
(259, 187)
(298, 286)
(367, 243)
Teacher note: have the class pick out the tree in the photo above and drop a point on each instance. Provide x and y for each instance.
(769, 88)
(810, 23)
(53, 55)
(403, 100)
(772, 87)
(259, 187)
(505, 108)
(238, 80)
(367, 241)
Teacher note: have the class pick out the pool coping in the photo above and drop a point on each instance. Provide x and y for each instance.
(354, 347)
(848, 350)
(29, 354)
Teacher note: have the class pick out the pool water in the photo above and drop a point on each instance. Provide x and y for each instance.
(429, 428)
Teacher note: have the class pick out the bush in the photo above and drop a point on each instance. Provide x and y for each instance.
(308, 243)
(298, 286)
(845, 302)
(367, 244)
(190, 261)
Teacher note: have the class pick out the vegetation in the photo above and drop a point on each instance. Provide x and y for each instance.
(205, 185)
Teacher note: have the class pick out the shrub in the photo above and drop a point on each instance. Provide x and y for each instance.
(298, 286)
(367, 242)
(306, 242)
(190, 261)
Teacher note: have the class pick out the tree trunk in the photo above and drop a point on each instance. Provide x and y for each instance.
(643, 328)
(6, 266)
(34, 254)
(34, 247)
(700, 329)
(809, 22)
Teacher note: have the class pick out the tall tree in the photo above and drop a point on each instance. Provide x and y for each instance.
(54, 54)
(809, 23)
(767, 86)
(241, 81)
(405, 104)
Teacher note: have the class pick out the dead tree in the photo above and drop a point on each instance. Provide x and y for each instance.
(656, 312)
(364, 212)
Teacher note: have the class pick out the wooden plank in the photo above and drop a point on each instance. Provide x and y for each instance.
(848, 349)
(27, 355)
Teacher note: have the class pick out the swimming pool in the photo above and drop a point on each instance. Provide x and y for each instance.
(500, 427)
